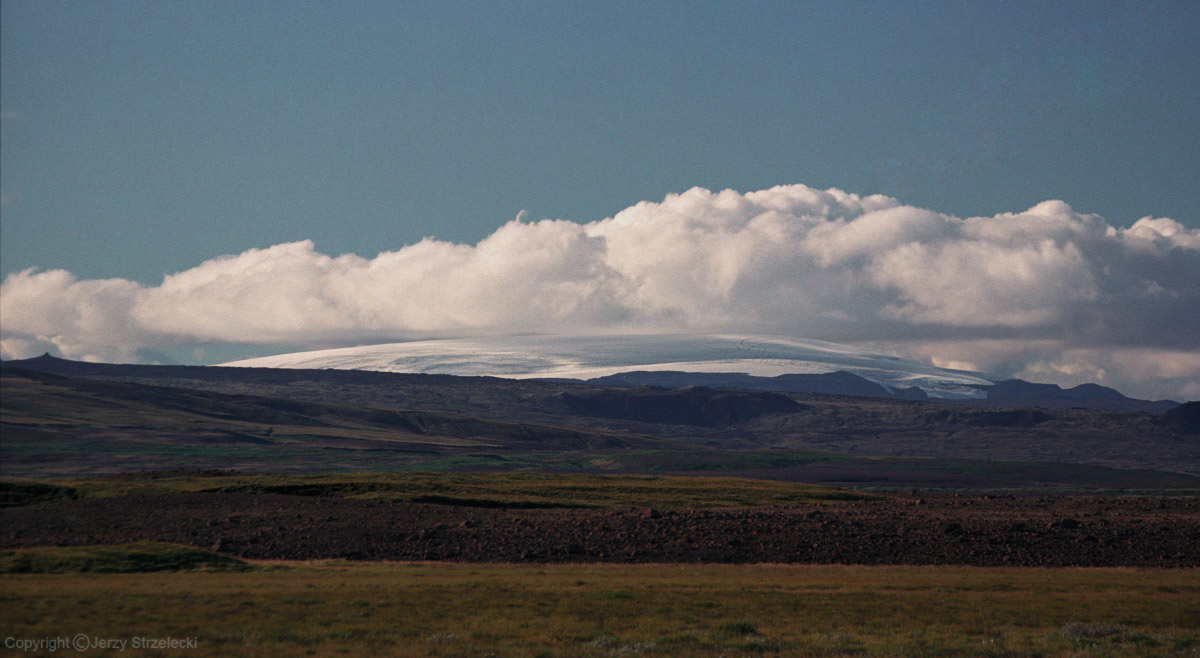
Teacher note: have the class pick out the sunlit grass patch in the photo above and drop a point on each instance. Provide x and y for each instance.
(330, 608)
(527, 490)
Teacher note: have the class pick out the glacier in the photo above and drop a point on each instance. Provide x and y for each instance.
(587, 357)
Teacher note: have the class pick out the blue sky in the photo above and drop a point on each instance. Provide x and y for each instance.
(139, 139)
(231, 179)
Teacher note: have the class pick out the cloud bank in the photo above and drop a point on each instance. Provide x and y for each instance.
(1049, 293)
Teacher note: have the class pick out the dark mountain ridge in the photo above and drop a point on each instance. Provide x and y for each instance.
(1008, 393)
(691, 405)
(833, 383)
(1184, 419)
(1018, 392)
(153, 417)
(854, 425)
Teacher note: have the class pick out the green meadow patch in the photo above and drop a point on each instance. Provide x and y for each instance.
(517, 490)
(129, 558)
(13, 494)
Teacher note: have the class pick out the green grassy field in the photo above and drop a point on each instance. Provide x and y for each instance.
(481, 489)
(139, 557)
(434, 609)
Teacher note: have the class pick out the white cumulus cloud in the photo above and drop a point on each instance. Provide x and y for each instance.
(1048, 293)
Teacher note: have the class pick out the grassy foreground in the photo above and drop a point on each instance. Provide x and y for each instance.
(437, 609)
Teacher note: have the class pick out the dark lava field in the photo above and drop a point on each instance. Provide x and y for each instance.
(914, 528)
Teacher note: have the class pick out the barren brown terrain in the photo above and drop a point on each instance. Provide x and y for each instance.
(917, 528)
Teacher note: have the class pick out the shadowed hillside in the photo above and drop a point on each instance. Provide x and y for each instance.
(694, 405)
(164, 417)
(838, 424)
(86, 424)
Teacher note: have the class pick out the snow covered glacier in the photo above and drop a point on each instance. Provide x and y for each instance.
(586, 357)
